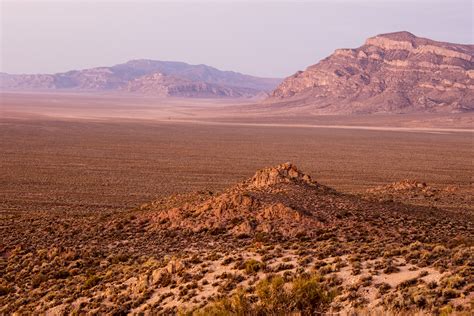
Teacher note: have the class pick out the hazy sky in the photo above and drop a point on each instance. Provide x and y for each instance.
(265, 38)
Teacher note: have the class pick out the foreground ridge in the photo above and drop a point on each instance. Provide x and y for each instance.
(277, 242)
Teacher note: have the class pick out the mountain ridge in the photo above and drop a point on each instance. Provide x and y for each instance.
(184, 80)
(393, 72)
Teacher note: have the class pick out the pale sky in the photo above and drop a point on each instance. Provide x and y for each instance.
(264, 38)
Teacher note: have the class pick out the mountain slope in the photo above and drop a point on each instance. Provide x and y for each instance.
(395, 72)
(146, 76)
(173, 86)
(198, 73)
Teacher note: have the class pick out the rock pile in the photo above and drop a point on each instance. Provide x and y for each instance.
(284, 173)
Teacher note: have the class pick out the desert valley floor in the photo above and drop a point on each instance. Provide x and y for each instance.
(77, 211)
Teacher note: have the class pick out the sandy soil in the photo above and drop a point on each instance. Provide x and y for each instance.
(95, 165)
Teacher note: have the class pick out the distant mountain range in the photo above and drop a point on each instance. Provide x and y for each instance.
(162, 78)
(390, 73)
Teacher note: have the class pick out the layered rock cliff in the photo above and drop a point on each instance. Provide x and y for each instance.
(395, 72)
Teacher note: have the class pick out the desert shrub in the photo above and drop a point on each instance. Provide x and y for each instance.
(462, 256)
(227, 260)
(366, 280)
(420, 300)
(230, 283)
(61, 274)
(469, 288)
(446, 310)
(4, 290)
(305, 295)
(407, 283)
(305, 261)
(415, 245)
(92, 281)
(453, 282)
(383, 288)
(261, 237)
(332, 280)
(326, 269)
(356, 268)
(319, 263)
(38, 279)
(165, 279)
(272, 295)
(284, 266)
(450, 293)
(123, 257)
(309, 296)
(195, 259)
(213, 256)
(391, 269)
(237, 304)
(252, 266)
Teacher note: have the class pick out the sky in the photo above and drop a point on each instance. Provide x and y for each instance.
(263, 38)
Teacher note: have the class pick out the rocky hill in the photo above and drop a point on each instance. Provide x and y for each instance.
(278, 243)
(390, 73)
(147, 76)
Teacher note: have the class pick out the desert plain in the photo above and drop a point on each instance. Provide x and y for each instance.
(80, 231)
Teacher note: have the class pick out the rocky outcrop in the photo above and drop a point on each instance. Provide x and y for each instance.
(284, 173)
(247, 208)
(420, 193)
(396, 72)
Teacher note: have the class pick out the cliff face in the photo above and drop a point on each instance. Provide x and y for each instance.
(396, 72)
(147, 76)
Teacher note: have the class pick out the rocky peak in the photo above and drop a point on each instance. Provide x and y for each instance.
(418, 45)
(248, 207)
(403, 36)
(284, 173)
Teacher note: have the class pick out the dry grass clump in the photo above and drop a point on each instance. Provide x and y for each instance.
(253, 266)
(305, 294)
